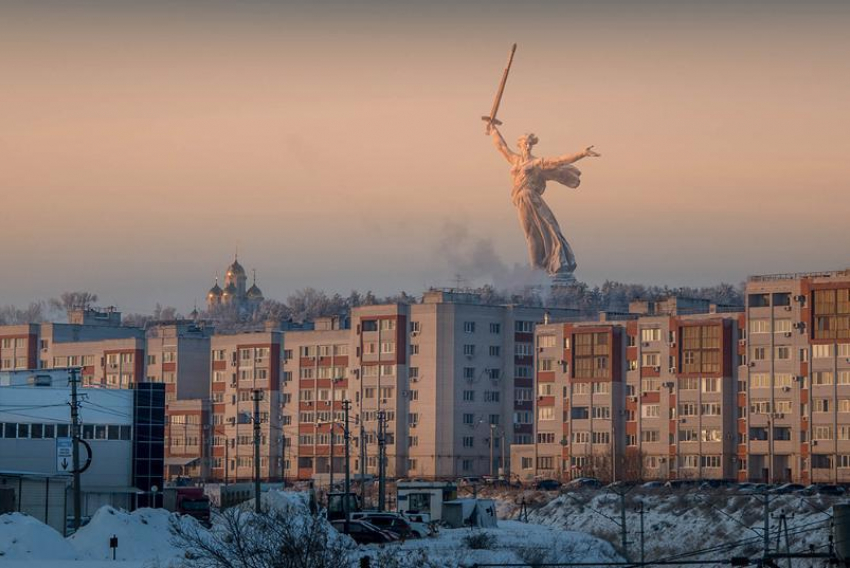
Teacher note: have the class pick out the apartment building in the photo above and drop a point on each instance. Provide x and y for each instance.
(177, 353)
(798, 378)
(452, 377)
(187, 438)
(19, 347)
(651, 394)
(242, 364)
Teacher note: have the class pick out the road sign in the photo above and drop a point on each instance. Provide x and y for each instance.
(64, 455)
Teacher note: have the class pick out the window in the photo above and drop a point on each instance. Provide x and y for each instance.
(412, 441)
(711, 409)
(523, 394)
(495, 351)
(602, 412)
(822, 432)
(495, 328)
(591, 355)
(415, 327)
(546, 413)
(710, 435)
(650, 411)
(601, 437)
(469, 349)
(783, 353)
(522, 349)
(581, 388)
(546, 341)
(469, 327)
(650, 360)
(689, 384)
(469, 372)
(711, 385)
(782, 326)
(831, 314)
(649, 436)
(601, 388)
(820, 405)
(493, 396)
(524, 326)
(468, 419)
(821, 378)
(651, 334)
(580, 437)
(522, 372)
(688, 435)
(469, 396)
(821, 351)
(759, 326)
(413, 395)
(413, 418)
(468, 442)
(387, 347)
(759, 353)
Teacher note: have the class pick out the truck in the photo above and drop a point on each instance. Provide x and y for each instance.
(188, 501)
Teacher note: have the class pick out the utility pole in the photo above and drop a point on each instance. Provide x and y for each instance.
(362, 459)
(642, 535)
(492, 436)
(257, 397)
(382, 456)
(766, 528)
(623, 540)
(75, 451)
(331, 471)
(346, 405)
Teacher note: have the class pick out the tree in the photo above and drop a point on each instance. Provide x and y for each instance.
(68, 301)
(33, 313)
(276, 538)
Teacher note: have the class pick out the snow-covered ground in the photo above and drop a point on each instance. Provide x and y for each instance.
(572, 527)
(678, 522)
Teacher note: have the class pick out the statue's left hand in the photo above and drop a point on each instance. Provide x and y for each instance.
(591, 153)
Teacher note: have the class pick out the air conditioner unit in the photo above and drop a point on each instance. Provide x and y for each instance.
(672, 370)
(414, 379)
(787, 334)
(786, 389)
(561, 362)
(633, 398)
(798, 325)
(800, 298)
(645, 344)
(814, 442)
(657, 369)
(414, 333)
(752, 364)
(787, 308)
(672, 344)
(742, 342)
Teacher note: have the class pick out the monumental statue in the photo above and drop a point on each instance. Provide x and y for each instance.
(547, 247)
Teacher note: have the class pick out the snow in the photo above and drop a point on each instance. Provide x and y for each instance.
(513, 542)
(571, 527)
(25, 538)
(143, 535)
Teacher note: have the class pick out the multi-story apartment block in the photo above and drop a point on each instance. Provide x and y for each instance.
(242, 364)
(187, 438)
(177, 353)
(452, 376)
(798, 378)
(649, 394)
(19, 347)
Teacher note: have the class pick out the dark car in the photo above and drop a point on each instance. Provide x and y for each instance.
(392, 522)
(365, 533)
(835, 490)
(548, 485)
(788, 488)
(584, 483)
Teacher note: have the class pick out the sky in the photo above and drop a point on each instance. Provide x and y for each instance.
(339, 145)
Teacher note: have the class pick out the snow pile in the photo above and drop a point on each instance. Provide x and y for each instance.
(510, 542)
(143, 535)
(678, 522)
(25, 538)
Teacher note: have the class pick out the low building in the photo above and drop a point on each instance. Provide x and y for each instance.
(123, 429)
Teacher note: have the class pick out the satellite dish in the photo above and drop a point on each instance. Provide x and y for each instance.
(154, 488)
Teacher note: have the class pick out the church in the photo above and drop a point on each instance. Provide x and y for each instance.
(234, 293)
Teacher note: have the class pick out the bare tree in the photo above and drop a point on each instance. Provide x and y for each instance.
(272, 539)
(33, 313)
(73, 301)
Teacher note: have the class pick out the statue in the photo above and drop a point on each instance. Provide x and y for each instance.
(547, 247)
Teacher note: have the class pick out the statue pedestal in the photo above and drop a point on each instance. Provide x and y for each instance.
(563, 279)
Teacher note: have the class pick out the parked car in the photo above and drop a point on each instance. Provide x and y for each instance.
(652, 485)
(393, 522)
(788, 488)
(421, 523)
(547, 485)
(584, 483)
(749, 488)
(365, 533)
(828, 489)
(681, 484)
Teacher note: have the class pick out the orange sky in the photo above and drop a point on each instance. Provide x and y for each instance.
(337, 145)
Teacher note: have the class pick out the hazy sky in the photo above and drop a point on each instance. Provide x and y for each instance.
(339, 145)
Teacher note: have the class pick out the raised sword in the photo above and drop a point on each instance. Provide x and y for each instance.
(491, 119)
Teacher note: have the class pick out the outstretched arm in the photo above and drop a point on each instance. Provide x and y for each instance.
(500, 143)
(570, 158)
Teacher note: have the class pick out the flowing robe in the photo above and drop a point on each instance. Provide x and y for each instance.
(547, 247)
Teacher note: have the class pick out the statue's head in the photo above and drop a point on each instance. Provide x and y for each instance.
(526, 142)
